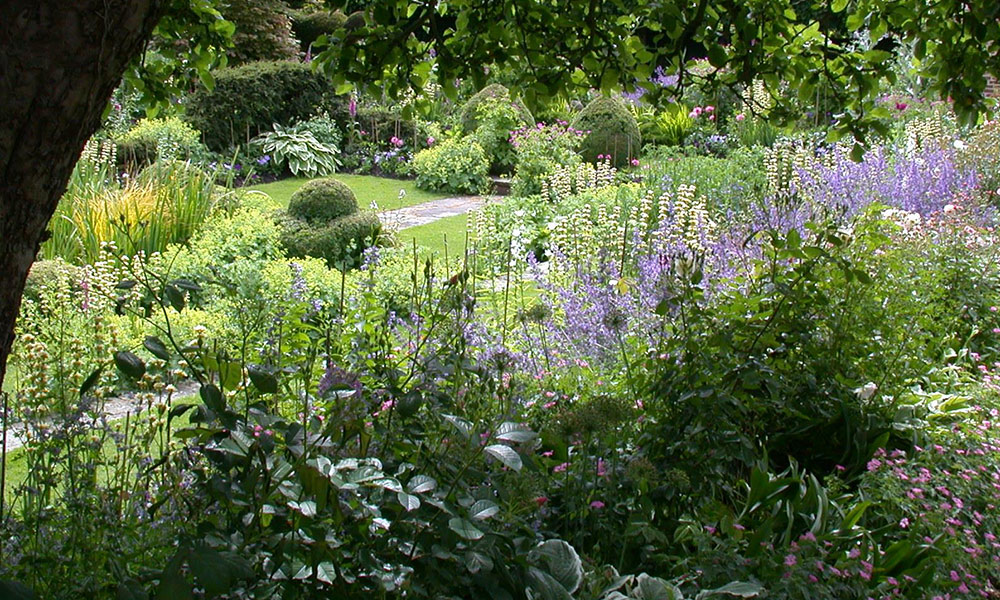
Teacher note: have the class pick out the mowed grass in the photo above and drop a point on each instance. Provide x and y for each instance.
(384, 191)
(443, 239)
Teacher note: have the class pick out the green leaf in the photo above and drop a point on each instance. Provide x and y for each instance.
(654, 588)
(326, 572)
(477, 561)
(420, 484)
(560, 560)
(465, 529)
(483, 509)
(306, 508)
(515, 432)
(838, 5)
(218, 572)
(129, 364)
(156, 347)
(211, 395)
(408, 501)
(545, 586)
(738, 589)
(91, 380)
(506, 455)
(464, 427)
(853, 516)
(263, 379)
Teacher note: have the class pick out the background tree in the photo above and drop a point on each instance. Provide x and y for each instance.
(59, 63)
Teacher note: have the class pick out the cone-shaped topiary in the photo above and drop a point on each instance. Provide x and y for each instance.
(613, 131)
(322, 200)
(470, 112)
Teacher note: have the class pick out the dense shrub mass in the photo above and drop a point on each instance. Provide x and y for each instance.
(249, 99)
(309, 24)
(322, 200)
(471, 110)
(158, 138)
(613, 131)
(323, 222)
(263, 31)
(454, 165)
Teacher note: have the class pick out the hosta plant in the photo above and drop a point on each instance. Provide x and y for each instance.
(301, 151)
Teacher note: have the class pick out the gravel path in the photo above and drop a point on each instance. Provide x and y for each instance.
(403, 218)
(115, 409)
(428, 212)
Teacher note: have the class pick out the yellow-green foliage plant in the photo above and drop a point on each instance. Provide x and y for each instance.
(163, 205)
(455, 165)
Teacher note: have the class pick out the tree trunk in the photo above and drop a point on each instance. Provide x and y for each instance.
(59, 63)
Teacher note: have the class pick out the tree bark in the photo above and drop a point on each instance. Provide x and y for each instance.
(59, 63)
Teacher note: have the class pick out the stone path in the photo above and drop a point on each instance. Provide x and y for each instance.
(428, 212)
(402, 218)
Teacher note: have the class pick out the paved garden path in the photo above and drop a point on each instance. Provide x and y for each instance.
(428, 212)
(402, 218)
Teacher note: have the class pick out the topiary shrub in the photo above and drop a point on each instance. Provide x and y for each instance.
(454, 165)
(340, 242)
(471, 109)
(246, 101)
(308, 25)
(323, 221)
(321, 201)
(613, 131)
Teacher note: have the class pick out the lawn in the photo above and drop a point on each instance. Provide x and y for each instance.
(383, 190)
(444, 238)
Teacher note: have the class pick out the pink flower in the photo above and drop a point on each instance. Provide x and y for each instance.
(790, 560)
(560, 468)
(602, 470)
(901, 106)
(740, 117)
(597, 504)
(709, 109)
(697, 111)
(541, 500)
(635, 162)
(430, 141)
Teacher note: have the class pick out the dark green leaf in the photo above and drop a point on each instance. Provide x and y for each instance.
(263, 379)
(91, 380)
(211, 395)
(129, 364)
(156, 347)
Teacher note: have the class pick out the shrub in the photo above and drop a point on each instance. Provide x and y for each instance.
(263, 31)
(454, 165)
(246, 101)
(308, 25)
(339, 242)
(46, 273)
(490, 116)
(540, 150)
(158, 138)
(471, 110)
(321, 201)
(613, 131)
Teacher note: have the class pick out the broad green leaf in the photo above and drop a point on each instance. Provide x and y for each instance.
(326, 572)
(156, 347)
(129, 364)
(483, 509)
(506, 455)
(465, 529)
(654, 588)
(408, 501)
(737, 589)
(420, 484)
(561, 561)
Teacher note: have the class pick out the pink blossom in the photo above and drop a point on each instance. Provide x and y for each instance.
(740, 117)
(790, 560)
(560, 468)
(597, 504)
(709, 108)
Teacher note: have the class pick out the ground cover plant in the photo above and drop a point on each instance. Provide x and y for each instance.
(699, 351)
